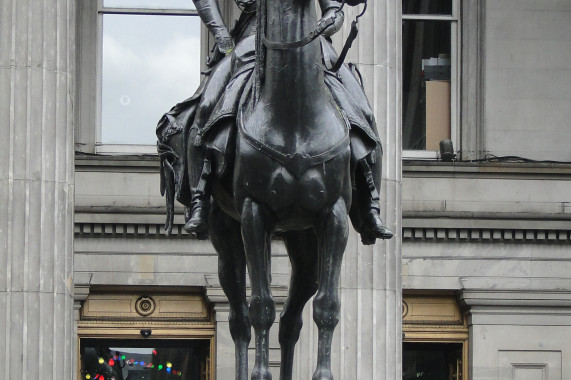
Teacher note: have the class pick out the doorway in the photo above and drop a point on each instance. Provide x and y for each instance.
(136, 359)
(435, 338)
(128, 333)
(432, 361)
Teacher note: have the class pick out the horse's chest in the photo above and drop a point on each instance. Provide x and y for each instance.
(272, 183)
(308, 192)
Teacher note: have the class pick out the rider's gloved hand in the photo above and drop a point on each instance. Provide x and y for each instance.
(224, 45)
(337, 17)
(224, 41)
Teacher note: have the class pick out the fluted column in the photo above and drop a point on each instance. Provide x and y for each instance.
(368, 340)
(37, 63)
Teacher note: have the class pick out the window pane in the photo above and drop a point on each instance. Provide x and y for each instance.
(426, 84)
(149, 359)
(150, 63)
(154, 4)
(427, 7)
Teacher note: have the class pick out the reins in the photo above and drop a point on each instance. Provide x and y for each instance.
(275, 45)
(262, 41)
(352, 35)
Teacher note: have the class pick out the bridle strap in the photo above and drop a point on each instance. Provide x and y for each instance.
(275, 45)
(352, 35)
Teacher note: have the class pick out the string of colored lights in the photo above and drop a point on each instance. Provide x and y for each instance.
(118, 358)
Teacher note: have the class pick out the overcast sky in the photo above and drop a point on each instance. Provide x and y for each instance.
(150, 63)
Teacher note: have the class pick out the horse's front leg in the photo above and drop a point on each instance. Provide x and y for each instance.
(332, 234)
(227, 240)
(256, 233)
(302, 250)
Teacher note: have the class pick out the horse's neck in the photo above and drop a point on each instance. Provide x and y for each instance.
(295, 75)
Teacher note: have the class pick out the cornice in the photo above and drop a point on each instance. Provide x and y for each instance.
(409, 234)
(124, 230)
(508, 235)
(534, 171)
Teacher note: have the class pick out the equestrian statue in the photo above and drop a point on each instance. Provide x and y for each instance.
(278, 140)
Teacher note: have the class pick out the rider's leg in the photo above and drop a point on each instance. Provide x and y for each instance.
(373, 225)
(367, 161)
(216, 157)
(198, 221)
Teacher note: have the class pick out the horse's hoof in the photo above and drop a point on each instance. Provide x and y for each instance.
(322, 374)
(261, 374)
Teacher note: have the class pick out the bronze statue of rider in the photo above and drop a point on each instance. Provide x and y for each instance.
(196, 137)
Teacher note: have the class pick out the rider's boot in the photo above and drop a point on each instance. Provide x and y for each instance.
(197, 223)
(373, 226)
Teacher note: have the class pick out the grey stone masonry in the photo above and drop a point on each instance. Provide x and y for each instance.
(37, 86)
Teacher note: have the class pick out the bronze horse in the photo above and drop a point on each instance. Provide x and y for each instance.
(287, 172)
(291, 176)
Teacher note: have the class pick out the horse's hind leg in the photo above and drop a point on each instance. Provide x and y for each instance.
(332, 234)
(227, 240)
(302, 250)
(256, 234)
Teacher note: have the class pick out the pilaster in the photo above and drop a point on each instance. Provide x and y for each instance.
(368, 339)
(37, 63)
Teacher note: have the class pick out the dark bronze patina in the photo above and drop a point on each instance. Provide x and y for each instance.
(281, 135)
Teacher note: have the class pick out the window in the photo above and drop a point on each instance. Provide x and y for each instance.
(144, 58)
(430, 75)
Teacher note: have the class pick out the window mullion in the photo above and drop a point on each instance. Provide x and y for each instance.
(456, 9)
(99, 77)
(454, 82)
(148, 11)
(429, 17)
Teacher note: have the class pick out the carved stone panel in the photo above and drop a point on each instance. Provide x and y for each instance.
(431, 310)
(136, 306)
(530, 365)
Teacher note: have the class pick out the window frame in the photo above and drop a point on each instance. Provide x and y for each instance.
(89, 87)
(455, 79)
(100, 147)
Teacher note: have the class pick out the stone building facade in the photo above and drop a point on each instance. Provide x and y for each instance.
(476, 279)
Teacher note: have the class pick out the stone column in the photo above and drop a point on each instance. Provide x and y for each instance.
(225, 357)
(368, 338)
(37, 63)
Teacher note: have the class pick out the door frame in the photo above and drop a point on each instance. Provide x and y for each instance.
(177, 313)
(429, 317)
